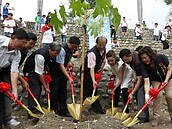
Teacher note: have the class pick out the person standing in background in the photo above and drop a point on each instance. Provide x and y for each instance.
(9, 25)
(124, 26)
(164, 40)
(156, 32)
(113, 31)
(38, 22)
(5, 10)
(64, 33)
(47, 34)
(138, 32)
(42, 21)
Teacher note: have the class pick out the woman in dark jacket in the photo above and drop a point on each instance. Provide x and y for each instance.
(157, 69)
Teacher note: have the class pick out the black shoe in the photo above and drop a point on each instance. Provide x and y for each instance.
(143, 120)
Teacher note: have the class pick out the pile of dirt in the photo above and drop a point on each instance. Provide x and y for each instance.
(91, 121)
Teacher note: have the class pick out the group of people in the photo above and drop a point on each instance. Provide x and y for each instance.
(138, 32)
(150, 67)
(43, 23)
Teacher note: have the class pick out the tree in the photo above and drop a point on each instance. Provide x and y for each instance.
(81, 9)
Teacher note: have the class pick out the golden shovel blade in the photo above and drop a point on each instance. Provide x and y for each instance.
(121, 115)
(39, 109)
(74, 110)
(111, 111)
(34, 115)
(118, 115)
(130, 121)
(46, 110)
(133, 122)
(90, 100)
(124, 116)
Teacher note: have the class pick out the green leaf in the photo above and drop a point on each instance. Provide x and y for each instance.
(101, 8)
(77, 7)
(96, 25)
(115, 17)
(56, 22)
(63, 13)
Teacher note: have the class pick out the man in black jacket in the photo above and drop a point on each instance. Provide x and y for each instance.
(60, 76)
(34, 70)
(94, 61)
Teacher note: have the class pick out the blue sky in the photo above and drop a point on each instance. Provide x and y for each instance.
(153, 10)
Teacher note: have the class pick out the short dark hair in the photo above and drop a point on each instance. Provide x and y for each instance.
(149, 52)
(156, 23)
(167, 27)
(8, 3)
(10, 14)
(32, 36)
(111, 53)
(124, 52)
(74, 40)
(55, 47)
(20, 34)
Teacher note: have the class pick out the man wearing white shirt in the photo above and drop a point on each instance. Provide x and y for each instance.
(9, 25)
(156, 32)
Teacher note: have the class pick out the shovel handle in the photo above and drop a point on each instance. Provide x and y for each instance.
(30, 92)
(112, 96)
(125, 108)
(160, 87)
(128, 101)
(93, 93)
(13, 98)
(72, 89)
(48, 95)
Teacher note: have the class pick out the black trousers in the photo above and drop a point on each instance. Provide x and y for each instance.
(58, 91)
(5, 100)
(88, 90)
(36, 88)
(140, 98)
(113, 34)
(165, 44)
(117, 96)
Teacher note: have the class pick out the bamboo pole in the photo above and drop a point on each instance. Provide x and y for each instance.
(82, 68)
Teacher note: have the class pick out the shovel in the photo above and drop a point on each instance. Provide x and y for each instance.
(73, 108)
(47, 80)
(5, 87)
(112, 111)
(123, 115)
(90, 100)
(38, 107)
(132, 121)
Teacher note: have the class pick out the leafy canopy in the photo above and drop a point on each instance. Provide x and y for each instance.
(102, 9)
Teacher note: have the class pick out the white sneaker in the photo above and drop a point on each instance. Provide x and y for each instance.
(13, 122)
